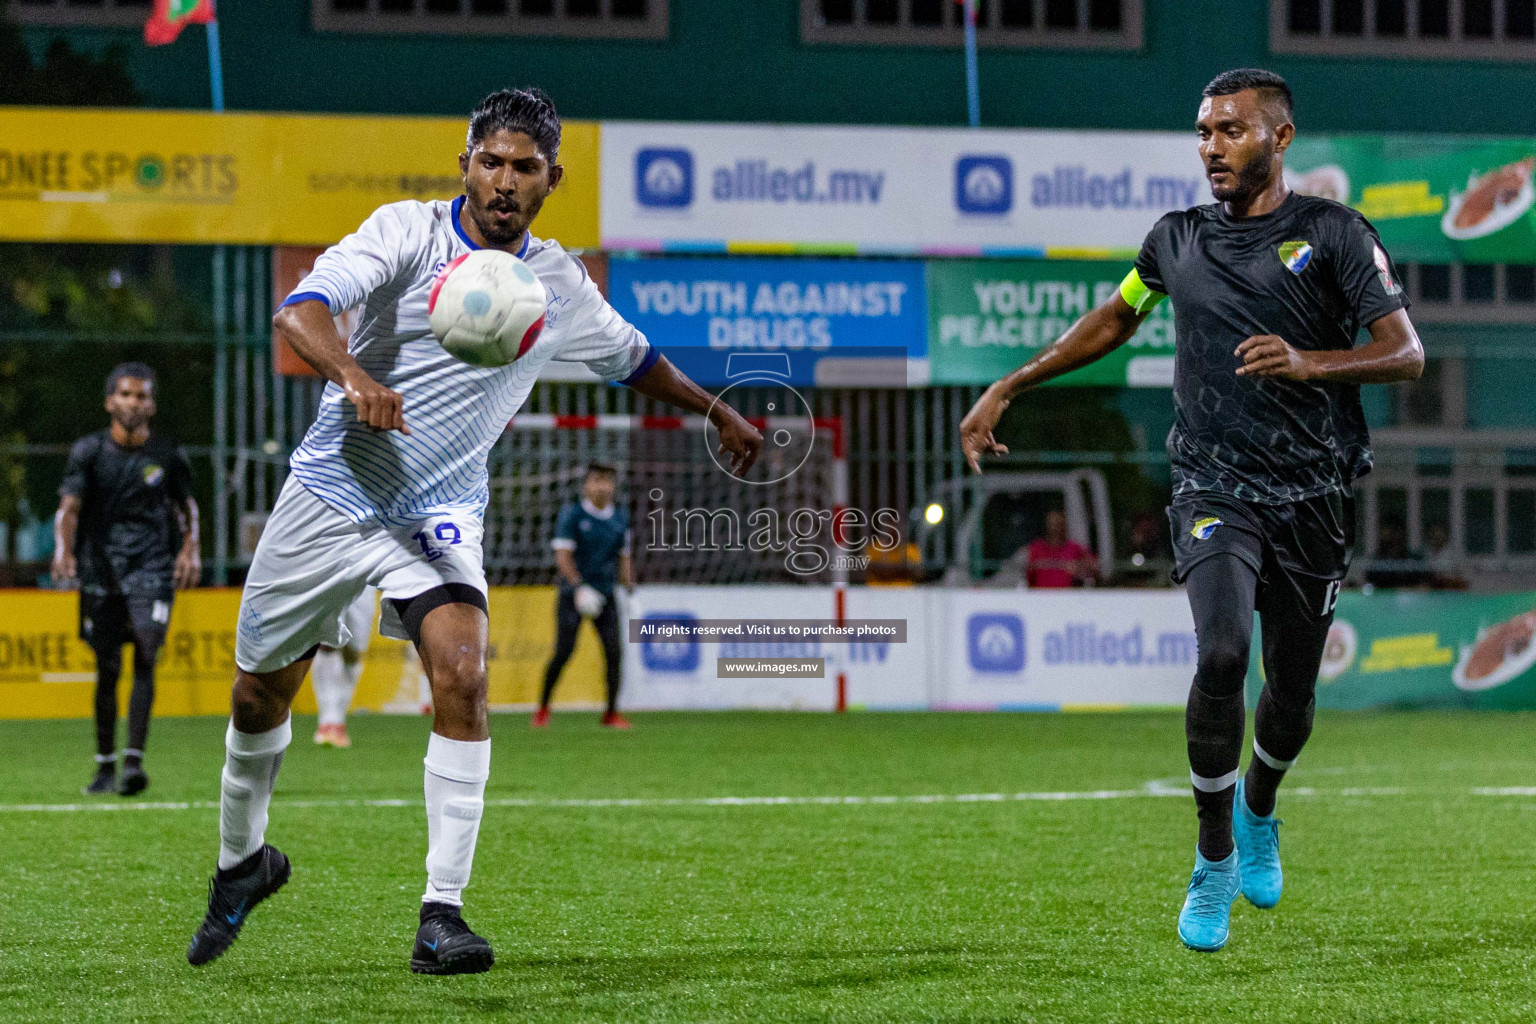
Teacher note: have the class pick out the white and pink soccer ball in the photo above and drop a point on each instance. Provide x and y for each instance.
(487, 308)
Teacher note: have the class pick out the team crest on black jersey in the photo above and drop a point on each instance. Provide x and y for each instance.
(1204, 527)
(153, 474)
(1296, 255)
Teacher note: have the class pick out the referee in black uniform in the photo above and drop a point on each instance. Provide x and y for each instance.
(1269, 291)
(127, 529)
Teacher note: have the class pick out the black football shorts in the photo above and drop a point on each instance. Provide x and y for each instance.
(1300, 550)
(117, 619)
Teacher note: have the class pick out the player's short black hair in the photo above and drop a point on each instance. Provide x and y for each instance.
(528, 111)
(138, 371)
(1272, 89)
(601, 469)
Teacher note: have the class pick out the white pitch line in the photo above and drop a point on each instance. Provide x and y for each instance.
(1149, 791)
(702, 801)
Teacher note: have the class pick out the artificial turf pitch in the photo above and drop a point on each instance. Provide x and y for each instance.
(1409, 894)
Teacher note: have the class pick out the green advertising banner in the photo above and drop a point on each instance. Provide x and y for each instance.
(1433, 198)
(987, 318)
(1426, 650)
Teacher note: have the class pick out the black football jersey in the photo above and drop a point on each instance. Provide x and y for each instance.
(129, 534)
(1311, 271)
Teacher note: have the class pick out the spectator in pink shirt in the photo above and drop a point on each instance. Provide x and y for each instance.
(1055, 560)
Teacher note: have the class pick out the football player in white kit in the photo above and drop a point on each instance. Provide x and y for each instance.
(336, 670)
(388, 489)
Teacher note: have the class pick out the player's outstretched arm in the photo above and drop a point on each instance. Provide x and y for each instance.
(1093, 337)
(309, 328)
(739, 439)
(1394, 353)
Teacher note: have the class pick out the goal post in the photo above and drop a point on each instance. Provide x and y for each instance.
(692, 521)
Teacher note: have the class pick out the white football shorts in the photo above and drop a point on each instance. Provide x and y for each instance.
(312, 562)
(358, 620)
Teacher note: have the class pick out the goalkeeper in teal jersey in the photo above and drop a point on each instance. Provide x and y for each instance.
(592, 540)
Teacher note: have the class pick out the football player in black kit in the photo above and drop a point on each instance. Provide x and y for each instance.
(127, 530)
(1269, 291)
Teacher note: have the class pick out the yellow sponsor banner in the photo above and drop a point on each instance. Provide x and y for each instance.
(72, 175)
(46, 671)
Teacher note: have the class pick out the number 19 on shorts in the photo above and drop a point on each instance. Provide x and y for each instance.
(434, 541)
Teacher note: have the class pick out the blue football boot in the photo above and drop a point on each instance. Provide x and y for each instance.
(1212, 890)
(1258, 852)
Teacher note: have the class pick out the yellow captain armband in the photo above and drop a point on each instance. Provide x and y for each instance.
(1137, 295)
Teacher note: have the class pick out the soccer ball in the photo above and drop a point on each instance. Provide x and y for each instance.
(487, 308)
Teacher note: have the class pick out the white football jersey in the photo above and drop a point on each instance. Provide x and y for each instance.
(455, 412)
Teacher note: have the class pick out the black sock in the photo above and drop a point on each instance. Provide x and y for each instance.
(551, 676)
(142, 698)
(1214, 727)
(1293, 649)
(1221, 592)
(1279, 732)
(611, 679)
(613, 653)
(106, 764)
(109, 665)
(567, 624)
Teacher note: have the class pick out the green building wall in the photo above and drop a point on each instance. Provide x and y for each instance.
(742, 60)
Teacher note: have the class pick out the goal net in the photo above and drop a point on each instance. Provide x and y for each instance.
(692, 521)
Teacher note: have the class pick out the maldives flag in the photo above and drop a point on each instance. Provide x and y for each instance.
(164, 25)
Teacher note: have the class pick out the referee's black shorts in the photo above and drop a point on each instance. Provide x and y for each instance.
(1300, 550)
(108, 620)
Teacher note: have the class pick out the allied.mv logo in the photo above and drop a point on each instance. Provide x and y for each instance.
(995, 642)
(664, 177)
(984, 184)
(670, 654)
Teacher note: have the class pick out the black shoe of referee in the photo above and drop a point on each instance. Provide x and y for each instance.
(102, 783)
(232, 895)
(445, 945)
(135, 781)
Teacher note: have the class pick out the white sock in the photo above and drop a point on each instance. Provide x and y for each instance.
(455, 785)
(251, 760)
(335, 682)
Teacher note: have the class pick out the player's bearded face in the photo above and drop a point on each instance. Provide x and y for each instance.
(1248, 172)
(506, 180)
(131, 404)
(1239, 142)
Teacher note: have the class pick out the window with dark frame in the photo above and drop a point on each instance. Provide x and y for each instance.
(1101, 24)
(1434, 282)
(1471, 292)
(1459, 29)
(87, 13)
(618, 19)
(1520, 283)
